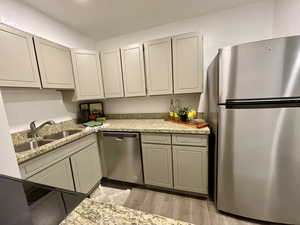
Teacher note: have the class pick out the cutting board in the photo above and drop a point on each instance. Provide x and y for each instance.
(189, 124)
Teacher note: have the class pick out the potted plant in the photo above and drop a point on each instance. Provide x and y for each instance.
(183, 113)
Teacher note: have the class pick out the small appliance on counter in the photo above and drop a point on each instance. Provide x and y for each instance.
(91, 111)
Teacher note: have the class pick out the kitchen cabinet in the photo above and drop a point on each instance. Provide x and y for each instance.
(18, 65)
(156, 138)
(54, 168)
(176, 161)
(190, 139)
(190, 169)
(87, 74)
(55, 64)
(187, 63)
(158, 63)
(157, 160)
(133, 70)
(86, 168)
(58, 175)
(112, 73)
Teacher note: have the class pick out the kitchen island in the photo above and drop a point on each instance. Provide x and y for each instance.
(89, 212)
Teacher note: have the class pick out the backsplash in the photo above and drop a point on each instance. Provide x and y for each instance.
(146, 116)
(137, 116)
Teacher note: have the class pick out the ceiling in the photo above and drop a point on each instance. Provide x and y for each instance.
(102, 19)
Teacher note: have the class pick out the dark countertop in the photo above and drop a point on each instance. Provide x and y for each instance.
(27, 203)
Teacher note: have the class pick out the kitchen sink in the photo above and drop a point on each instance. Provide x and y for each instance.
(47, 139)
(62, 134)
(31, 145)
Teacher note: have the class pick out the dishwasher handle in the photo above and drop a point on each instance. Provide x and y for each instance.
(120, 136)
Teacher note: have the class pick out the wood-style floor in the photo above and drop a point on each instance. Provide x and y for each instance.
(193, 210)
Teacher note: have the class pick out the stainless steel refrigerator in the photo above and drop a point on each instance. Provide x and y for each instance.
(254, 102)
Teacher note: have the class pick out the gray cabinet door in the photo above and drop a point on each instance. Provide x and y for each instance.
(87, 74)
(55, 64)
(187, 63)
(190, 169)
(157, 160)
(112, 73)
(86, 168)
(133, 70)
(18, 65)
(58, 175)
(158, 60)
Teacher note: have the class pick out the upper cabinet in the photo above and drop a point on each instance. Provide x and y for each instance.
(55, 64)
(173, 65)
(87, 74)
(133, 70)
(187, 63)
(112, 73)
(158, 59)
(18, 66)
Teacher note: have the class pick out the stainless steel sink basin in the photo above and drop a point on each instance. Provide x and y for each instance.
(31, 145)
(46, 139)
(62, 134)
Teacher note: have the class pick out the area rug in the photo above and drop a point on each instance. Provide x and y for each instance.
(110, 195)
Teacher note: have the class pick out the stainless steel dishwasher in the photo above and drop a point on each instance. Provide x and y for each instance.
(122, 156)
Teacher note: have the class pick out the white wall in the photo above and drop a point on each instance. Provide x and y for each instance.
(27, 19)
(241, 24)
(153, 104)
(286, 18)
(8, 161)
(25, 105)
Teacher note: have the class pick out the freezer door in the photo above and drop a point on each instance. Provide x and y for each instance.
(264, 69)
(259, 163)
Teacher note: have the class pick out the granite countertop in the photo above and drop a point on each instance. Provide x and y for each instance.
(150, 125)
(89, 212)
(133, 125)
(33, 153)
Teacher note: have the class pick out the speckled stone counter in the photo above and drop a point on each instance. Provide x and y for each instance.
(130, 125)
(150, 125)
(90, 212)
(33, 153)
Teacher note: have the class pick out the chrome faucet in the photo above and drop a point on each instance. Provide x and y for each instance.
(34, 130)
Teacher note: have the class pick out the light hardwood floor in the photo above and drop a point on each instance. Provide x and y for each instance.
(198, 211)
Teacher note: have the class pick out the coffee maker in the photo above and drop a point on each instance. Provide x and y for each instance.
(90, 111)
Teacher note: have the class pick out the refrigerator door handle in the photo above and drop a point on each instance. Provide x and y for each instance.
(262, 103)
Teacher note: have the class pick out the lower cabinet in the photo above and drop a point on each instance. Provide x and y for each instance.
(75, 166)
(86, 168)
(157, 161)
(190, 169)
(58, 175)
(177, 161)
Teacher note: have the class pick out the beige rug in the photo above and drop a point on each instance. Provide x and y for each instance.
(110, 195)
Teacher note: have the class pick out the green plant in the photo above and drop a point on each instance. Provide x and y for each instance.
(183, 111)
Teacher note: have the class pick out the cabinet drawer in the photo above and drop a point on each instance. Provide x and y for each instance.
(37, 164)
(190, 139)
(156, 138)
